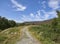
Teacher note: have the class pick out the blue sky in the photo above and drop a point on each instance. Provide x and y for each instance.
(29, 10)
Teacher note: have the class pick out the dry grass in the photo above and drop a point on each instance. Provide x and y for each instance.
(10, 36)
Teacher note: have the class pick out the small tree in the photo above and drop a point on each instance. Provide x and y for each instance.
(54, 25)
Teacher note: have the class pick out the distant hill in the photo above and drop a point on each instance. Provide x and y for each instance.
(38, 22)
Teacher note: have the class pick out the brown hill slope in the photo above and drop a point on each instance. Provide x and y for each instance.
(38, 22)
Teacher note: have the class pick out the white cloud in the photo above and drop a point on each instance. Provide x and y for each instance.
(25, 18)
(49, 15)
(19, 7)
(46, 15)
(43, 11)
(54, 4)
(34, 17)
(31, 14)
(38, 13)
(43, 4)
(19, 21)
(39, 17)
(53, 14)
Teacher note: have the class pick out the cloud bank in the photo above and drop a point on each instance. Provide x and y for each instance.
(54, 4)
(19, 7)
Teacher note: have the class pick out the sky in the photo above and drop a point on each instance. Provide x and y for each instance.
(29, 10)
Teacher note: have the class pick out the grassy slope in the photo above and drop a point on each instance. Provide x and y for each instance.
(10, 36)
(45, 34)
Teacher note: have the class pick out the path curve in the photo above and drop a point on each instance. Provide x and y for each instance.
(26, 38)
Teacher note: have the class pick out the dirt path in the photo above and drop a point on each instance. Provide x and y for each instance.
(26, 38)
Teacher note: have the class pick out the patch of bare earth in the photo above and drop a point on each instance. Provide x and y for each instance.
(26, 38)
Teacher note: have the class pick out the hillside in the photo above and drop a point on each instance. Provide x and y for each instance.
(37, 22)
(48, 32)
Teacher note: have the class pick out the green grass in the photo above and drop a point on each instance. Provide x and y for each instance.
(45, 34)
(10, 36)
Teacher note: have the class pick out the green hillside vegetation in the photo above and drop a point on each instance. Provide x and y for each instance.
(47, 33)
(10, 35)
(5, 23)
